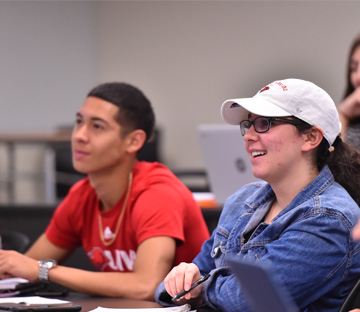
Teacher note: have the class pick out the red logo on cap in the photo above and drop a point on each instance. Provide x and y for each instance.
(264, 89)
(279, 83)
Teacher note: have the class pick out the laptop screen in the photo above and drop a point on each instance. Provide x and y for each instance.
(260, 289)
(227, 163)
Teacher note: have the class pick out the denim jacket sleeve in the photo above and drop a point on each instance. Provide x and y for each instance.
(219, 277)
(320, 240)
(307, 247)
(292, 258)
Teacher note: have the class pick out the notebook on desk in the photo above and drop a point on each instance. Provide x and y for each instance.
(260, 289)
(227, 163)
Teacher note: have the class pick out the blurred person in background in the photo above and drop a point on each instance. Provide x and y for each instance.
(349, 108)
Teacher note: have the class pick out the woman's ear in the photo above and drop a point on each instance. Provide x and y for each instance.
(135, 140)
(312, 138)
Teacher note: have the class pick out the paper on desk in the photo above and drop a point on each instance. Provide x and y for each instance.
(11, 283)
(183, 308)
(33, 300)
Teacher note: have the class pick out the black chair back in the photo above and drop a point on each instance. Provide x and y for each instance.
(353, 299)
(14, 240)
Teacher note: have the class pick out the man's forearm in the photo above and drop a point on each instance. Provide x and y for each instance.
(110, 284)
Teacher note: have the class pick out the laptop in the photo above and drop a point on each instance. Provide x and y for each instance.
(260, 289)
(226, 161)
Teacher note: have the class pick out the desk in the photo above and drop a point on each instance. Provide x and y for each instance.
(47, 139)
(90, 303)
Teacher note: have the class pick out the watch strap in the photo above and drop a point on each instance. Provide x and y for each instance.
(44, 266)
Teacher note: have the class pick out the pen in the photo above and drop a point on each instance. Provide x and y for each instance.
(184, 292)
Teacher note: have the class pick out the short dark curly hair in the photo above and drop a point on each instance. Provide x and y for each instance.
(135, 111)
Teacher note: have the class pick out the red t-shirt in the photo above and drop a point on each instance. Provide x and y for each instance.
(159, 204)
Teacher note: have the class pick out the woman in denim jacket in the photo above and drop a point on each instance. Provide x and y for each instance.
(297, 220)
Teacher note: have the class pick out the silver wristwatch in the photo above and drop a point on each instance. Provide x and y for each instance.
(44, 266)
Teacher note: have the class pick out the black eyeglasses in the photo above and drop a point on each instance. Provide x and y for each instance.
(262, 124)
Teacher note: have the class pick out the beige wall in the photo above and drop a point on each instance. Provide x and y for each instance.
(187, 56)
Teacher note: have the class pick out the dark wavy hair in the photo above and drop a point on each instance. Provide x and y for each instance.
(344, 161)
(349, 87)
(135, 111)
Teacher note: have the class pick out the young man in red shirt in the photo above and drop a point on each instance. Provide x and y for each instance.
(134, 219)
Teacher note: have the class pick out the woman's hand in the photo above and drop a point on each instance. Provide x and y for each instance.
(181, 277)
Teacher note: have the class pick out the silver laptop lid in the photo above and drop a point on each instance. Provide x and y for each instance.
(227, 163)
(262, 292)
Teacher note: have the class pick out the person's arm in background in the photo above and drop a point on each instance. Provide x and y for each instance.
(349, 109)
(356, 231)
(149, 269)
(356, 236)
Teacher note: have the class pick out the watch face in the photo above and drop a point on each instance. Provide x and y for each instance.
(44, 266)
(49, 263)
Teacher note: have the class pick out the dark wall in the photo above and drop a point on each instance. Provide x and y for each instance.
(33, 221)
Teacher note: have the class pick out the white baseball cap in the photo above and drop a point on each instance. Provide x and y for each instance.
(289, 97)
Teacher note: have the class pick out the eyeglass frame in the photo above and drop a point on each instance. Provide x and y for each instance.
(269, 119)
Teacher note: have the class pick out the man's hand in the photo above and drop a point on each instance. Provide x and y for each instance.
(14, 264)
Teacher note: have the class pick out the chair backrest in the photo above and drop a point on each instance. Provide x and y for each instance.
(353, 299)
(66, 175)
(14, 240)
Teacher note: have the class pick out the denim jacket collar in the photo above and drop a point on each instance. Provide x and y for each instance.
(264, 197)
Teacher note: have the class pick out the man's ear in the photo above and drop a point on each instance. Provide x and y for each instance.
(312, 138)
(135, 140)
